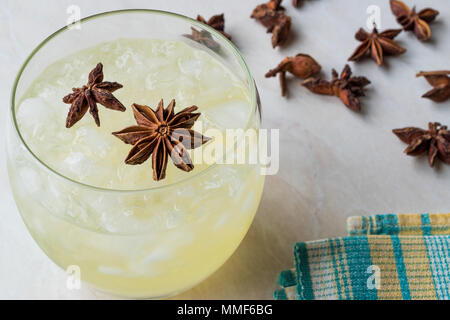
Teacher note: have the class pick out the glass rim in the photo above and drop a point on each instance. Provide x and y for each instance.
(222, 38)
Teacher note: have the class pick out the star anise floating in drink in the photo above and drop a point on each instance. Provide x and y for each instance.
(435, 142)
(272, 16)
(440, 81)
(161, 133)
(302, 66)
(413, 21)
(87, 97)
(377, 44)
(347, 88)
(217, 22)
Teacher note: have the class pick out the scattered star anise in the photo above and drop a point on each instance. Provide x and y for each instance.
(87, 97)
(412, 21)
(161, 133)
(346, 87)
(217, 22)
(272, 16)
(295, 3)
(435, 142)
(378, 44)
(440, 82)
(302, 66)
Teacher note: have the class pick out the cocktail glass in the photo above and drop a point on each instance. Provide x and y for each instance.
(192, 226)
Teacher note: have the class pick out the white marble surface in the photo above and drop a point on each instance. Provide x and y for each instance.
(334, 163)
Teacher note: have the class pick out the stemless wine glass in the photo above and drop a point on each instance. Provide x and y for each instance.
(214, 207)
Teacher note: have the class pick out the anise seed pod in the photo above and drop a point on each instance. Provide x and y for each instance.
(302, 66)
(440, 82)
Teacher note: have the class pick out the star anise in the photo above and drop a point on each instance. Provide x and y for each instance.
(217, 22)
(160, 133)
(378, 44)
(412, 21)
(435, 142)
(440, 82)
(272, 16)
(295, 3)
(268, 13)
(87, 97)
(302, 66)
(203, 37)
(346, 87)
(261, 9)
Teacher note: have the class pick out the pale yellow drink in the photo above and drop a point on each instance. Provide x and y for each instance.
(128, 234)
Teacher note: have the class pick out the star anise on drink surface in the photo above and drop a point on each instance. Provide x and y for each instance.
(272, 16)
(440, 82)
(377, 44)
(87, 97)
(217, 22)
(412, 21)
(435, 142)
(347, 88)
(302, 66)
(161, 133)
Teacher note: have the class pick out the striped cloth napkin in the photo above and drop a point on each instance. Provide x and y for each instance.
(405, 256)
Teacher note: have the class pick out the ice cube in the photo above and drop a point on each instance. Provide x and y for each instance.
(93, 142)
(113, 271)
(159, 254)
(33, 116)
(80, 165)
(222, 220)
(165, 48)
(151, 81)
(191, 66)
(123, 61)
(175, 218)
(31, 180)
